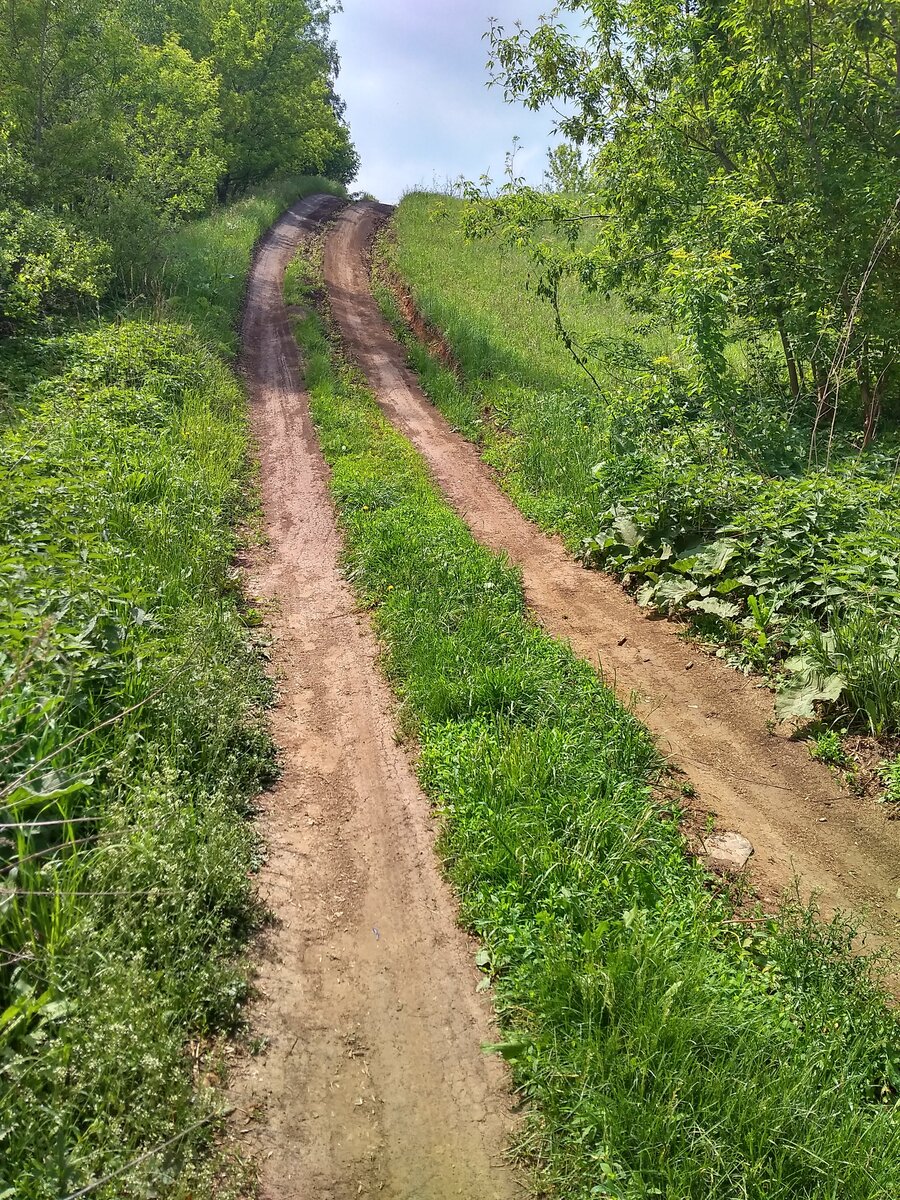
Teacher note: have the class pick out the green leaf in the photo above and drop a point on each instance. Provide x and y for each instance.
(713, 558)
(725, 586)
(673, 591)
(627, 530)
(515, 1046)
(716, 607)
(800, 700)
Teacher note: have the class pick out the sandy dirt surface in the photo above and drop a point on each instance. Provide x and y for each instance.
(710, 719)
(371, 1081)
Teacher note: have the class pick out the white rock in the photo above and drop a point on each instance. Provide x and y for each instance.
(726, 851)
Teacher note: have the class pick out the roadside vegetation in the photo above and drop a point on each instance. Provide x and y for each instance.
(132, 736)
(682, 354)
(668, 1043)
(132, 720)
(119, 120)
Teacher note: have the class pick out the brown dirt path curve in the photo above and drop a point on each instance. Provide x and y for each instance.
(372, 1082)
(709, 718)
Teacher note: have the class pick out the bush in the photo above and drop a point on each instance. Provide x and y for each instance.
(48, 268)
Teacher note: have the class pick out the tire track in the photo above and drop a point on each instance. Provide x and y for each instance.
(372, 1081)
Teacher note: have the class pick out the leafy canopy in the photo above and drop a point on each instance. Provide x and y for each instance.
(744, 165)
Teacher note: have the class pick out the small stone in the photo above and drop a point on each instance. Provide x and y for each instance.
(726, 851)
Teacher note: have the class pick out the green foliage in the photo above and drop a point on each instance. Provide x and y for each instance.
(47, 268)
(856, 660)
(119, 120)
(201, 275)
(742, 180)
(829, 748)
(707, 510)
(131, 717)
(665, 1047)
(174, 130)
(279, 112)
(889, 772)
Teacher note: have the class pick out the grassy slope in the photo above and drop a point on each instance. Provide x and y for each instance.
(668, 1048)
(804, 540)
(125, 470)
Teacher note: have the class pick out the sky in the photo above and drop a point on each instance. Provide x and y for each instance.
(414, 80)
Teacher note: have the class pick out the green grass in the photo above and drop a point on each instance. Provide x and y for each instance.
(202, 274)
(132, 718)
(666, 1046)
(701, 513)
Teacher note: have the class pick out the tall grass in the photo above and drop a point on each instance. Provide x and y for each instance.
(667, 1045)
(131, 718)
(578, 458)
(202, 271)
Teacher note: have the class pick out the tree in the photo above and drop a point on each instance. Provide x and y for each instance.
(566, 169)
(47, 266)
(275, 65)
(745, 159)
(278, 107)
(60, 66)
(119, 116)
(172, 131)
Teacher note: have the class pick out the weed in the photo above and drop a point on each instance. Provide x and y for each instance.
(889, 774)
(828, 747)
(854, 662)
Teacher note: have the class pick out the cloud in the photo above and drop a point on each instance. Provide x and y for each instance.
(414, 79)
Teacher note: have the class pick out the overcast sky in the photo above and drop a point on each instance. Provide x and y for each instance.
(414, 80)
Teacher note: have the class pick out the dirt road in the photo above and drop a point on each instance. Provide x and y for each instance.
(371, 1081)
(712, 720)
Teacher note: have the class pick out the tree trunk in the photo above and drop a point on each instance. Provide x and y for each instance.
(871, 398)
(789, 358)
(825, 408)
(39, 105)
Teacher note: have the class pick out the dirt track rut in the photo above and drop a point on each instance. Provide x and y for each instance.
(371, 1081)
(711, 720)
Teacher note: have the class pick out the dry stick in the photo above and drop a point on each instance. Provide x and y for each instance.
(136, 1162)
(46, 824)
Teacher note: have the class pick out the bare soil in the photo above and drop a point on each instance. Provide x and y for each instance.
(371, 1080)
(805, 828)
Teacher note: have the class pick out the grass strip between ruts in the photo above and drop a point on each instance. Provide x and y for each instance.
(667, 1046)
